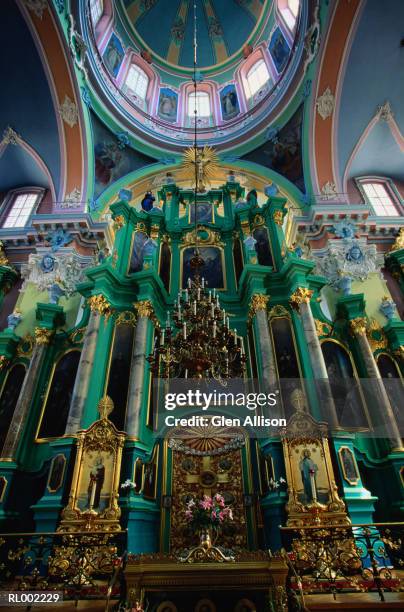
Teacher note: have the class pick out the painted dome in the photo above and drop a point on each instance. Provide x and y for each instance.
(223, 28)
(249, 53)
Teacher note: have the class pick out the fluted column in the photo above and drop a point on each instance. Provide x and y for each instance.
(300, 300)
(258, 315)
(385, 414)
(42, 339)
(86, 363)
(137, 373)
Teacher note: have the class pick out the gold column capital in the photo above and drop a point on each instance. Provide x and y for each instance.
(259, 301)
(278, 217)
(144, 309)
(119, 222)
(3, 362)
(300, 296)
(43, 336)
(399, 242)
(358, 326)
(100, 305)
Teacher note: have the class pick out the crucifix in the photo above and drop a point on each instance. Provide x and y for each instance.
(207, 478)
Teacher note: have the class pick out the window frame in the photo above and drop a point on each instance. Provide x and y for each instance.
(249, 94)
(9, 200)
(390, 188)
(201, 94)
(288, 17)
(100, 3)
(134, 66)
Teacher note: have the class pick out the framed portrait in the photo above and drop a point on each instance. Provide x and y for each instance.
(349, 466)
(212, 270)
(204, 212)
(95, 481)
(56, 473)
(279, 50)
(167, 105)
(229, 102)
(113, 55)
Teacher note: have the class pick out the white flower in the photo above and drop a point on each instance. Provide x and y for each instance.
(282, 480)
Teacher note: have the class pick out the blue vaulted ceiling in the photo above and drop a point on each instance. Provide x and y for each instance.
(26, 105)
(232, 20)
(374, 74)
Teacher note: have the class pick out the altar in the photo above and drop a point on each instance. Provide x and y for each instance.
(250, 582)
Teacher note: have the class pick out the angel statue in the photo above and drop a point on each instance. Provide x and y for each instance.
(200, 164)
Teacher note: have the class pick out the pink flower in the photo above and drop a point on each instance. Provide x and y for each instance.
(188, 514)
(222, 516)
(213, 515)
(206, 503)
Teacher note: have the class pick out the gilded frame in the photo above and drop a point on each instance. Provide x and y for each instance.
(352, 481)
(4, 480)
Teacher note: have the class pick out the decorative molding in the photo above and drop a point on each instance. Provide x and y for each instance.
(384, 112)
(72, 199)
(278, 311)
(119, 222)
(46, 268)
(36, 6)
(376, 336)
(10, 136)
(43, 336)
(347, 260)
(126, 318)
(300, 296)
(323, 329)
(329, 191)
(69, 112)
(3, 362)
(325, 104)
(278, 217)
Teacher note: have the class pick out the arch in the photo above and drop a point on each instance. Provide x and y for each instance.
(9, 394)
(341, 370)
(55, 411)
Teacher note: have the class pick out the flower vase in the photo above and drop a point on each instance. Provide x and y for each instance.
(205, 538)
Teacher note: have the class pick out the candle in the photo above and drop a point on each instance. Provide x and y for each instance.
(214, 329)
(199, 293)
(203, 283)
(184, 330)
(186, 373)
(92, 498)
(210, 296)
(162, 337)
(228, 322)
(189, 283)
(195, 307)
(212, 310)
(186, 296)
(217, 301)
(224, 317)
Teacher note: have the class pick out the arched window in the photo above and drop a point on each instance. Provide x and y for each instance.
(8, 399)
(59, 395)
(380, 195)
(137, 81)
(256, 78)
(20, 208)
(119, 372)
(96, 10)
(290, 11)
(199, 101)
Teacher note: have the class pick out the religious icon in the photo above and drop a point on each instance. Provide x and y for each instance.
(96, 480)
(279, 50)
(167, 106)
(204, 212)
(47, 263)
(308, 471)
(229, 102)
(56, 473)
(206, 162)
(113, 55)
(212, 269)
(349, 466)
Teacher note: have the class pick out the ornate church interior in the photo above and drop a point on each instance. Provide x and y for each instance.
(202, 198)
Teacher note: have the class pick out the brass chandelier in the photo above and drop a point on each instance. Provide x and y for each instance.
(198, 342)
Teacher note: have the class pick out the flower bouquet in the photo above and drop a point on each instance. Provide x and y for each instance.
(207, 515)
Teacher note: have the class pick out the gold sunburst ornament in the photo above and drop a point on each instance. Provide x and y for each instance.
(200, 163)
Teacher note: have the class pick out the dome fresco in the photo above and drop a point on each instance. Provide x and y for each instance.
(247, 56)
(224, 27)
